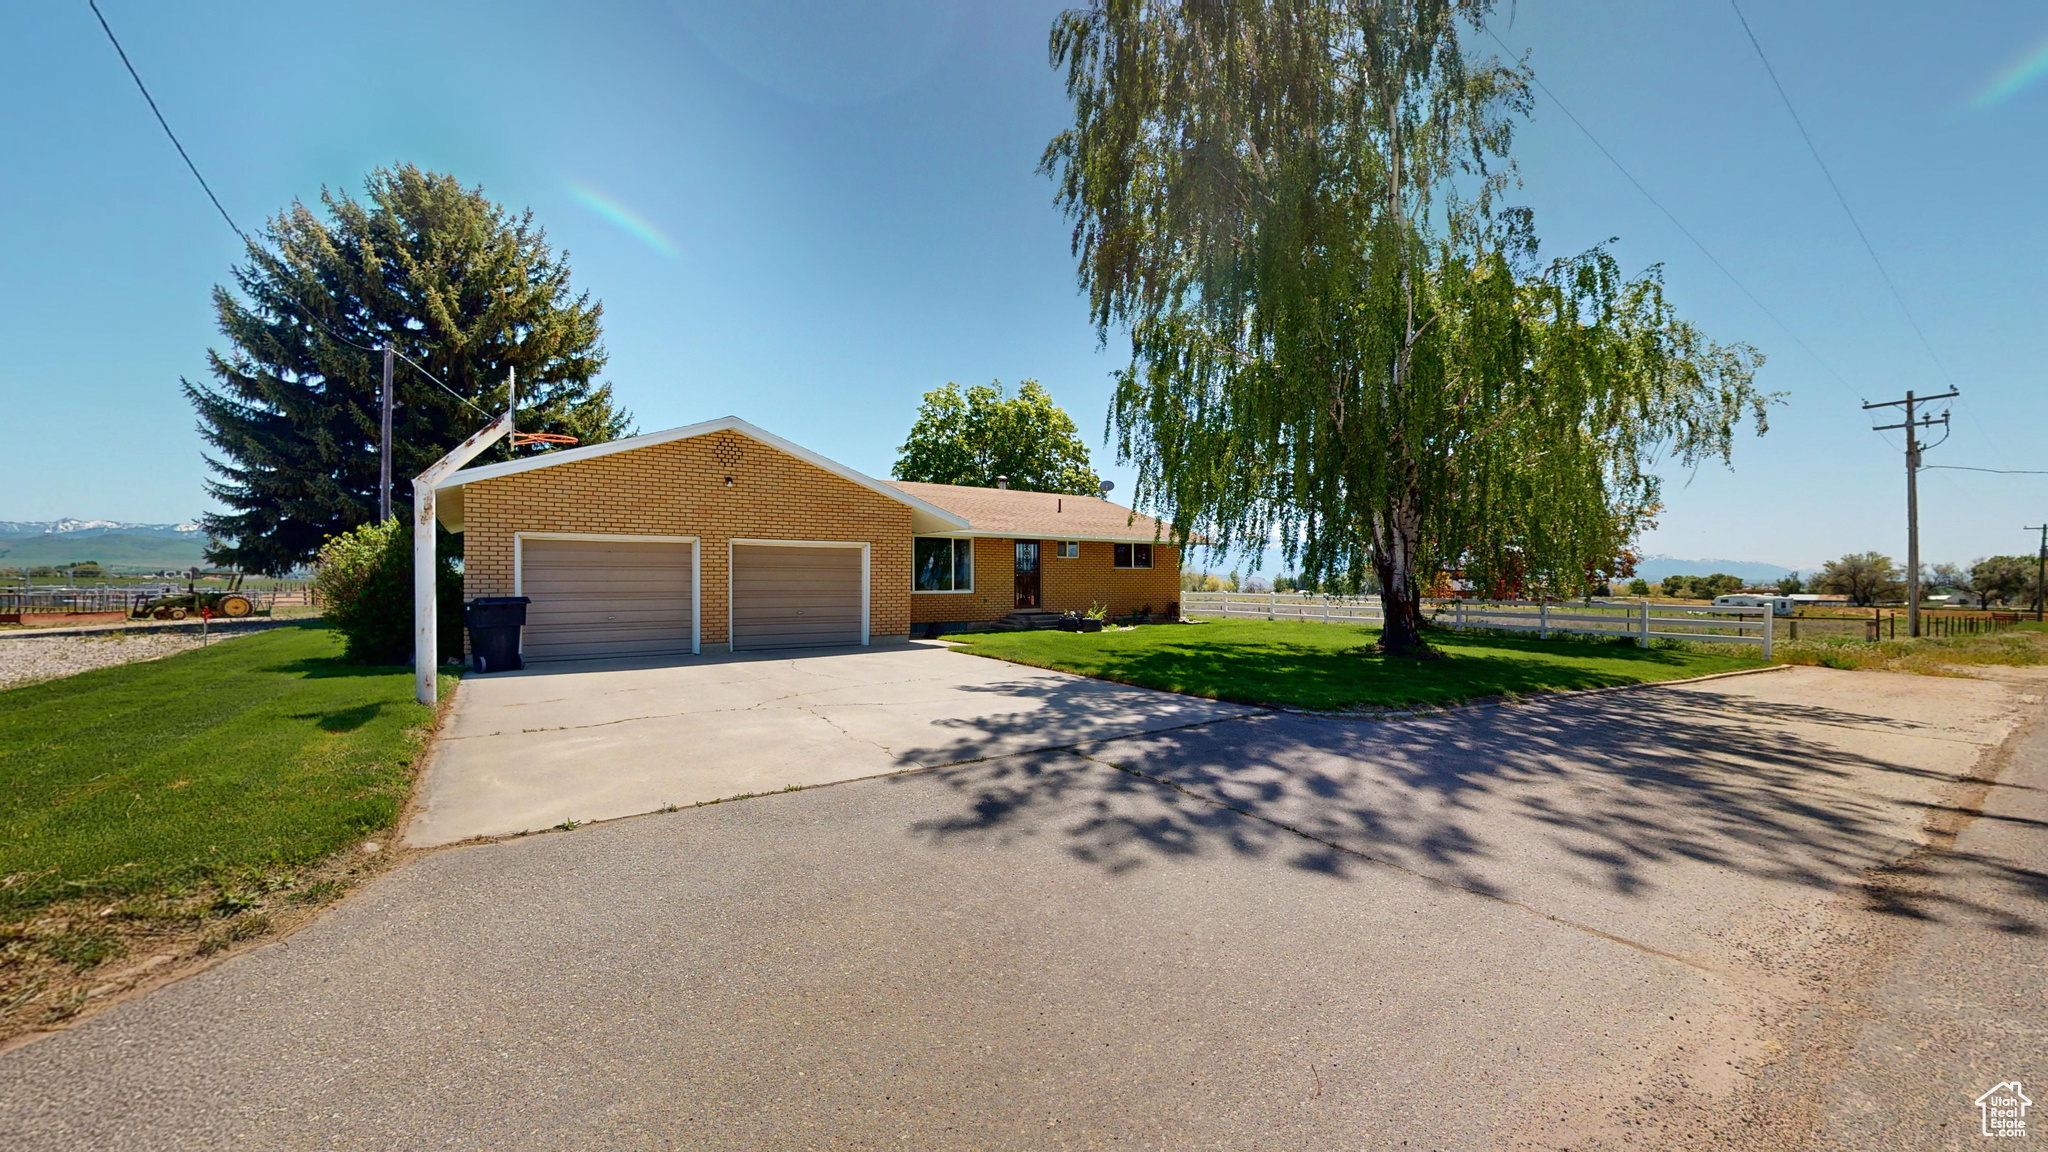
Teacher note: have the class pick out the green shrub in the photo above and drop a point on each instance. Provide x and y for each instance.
(364, 578)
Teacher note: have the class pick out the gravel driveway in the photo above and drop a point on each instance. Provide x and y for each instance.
(27, 659)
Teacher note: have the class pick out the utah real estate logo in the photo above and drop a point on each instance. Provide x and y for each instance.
(2003, 1110)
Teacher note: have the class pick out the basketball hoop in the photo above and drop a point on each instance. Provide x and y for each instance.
(521, 439)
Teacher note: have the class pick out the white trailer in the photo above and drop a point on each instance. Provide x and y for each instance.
(1779, 605)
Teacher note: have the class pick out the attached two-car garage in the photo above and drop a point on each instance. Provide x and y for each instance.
(712, 538)
(625, 596)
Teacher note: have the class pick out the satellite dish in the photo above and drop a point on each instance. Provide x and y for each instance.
(1104, 487)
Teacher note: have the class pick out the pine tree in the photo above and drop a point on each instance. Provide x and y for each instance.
(457, 283)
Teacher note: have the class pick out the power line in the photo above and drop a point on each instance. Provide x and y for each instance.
(1967, 468)
(1669, 215)
(95, 6)
(1839, 197)
(208, 189)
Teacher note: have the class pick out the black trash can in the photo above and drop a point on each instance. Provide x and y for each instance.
(494, 623)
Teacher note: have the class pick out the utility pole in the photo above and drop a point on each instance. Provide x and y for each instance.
(384, 448)
(1912, 427)
(2040, 569)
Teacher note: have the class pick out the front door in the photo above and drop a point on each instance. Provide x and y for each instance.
(1027, 574)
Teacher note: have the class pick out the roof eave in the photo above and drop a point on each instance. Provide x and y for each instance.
(919, 508)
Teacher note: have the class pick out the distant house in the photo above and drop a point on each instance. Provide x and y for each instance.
(1817, 600)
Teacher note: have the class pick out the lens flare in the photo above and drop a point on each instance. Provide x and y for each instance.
(621, 217)
(2010, 82)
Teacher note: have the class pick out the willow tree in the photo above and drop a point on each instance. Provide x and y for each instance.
(1339, 334)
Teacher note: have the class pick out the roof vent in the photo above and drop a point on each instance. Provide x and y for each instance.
(1002, 481)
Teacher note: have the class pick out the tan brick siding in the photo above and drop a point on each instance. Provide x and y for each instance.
(1065, 585)
(678, 489)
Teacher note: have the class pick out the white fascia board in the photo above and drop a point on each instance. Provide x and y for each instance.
(920, 510)
(1165, 541)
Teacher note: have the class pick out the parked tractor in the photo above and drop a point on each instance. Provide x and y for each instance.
(230, 602)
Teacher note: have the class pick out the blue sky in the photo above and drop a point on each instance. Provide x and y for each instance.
(809, 215)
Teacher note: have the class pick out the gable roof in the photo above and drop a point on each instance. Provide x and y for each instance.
(924, 517)
(1046, 515)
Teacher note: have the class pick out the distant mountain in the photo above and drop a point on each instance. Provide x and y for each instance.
(112, 543)
(1655, 568)
(73, 527)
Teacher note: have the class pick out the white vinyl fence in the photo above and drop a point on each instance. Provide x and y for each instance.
(1642, 621)
(1282, 606)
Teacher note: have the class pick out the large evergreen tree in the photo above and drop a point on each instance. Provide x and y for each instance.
(1340, 336)
(457, 283)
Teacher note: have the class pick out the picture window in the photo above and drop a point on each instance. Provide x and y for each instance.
(942, 564)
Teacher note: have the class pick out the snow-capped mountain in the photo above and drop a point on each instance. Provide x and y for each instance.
(71, 526)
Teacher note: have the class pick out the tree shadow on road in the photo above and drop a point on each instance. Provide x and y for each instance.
(1627, 797)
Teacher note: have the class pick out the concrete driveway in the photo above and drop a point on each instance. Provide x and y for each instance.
(1625, 921)
(589, 741)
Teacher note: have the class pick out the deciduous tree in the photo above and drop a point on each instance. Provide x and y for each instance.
(459, 284)
(2001, 578)
(981, 434)
(1340, 337)
(1865, 578)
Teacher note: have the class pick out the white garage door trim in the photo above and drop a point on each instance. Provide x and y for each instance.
(729, 581)
(696, 569)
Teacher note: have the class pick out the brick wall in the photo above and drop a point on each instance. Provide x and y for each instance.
(678, 489)
(1064, 585)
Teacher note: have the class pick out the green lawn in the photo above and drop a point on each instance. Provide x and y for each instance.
(1330, 667)
(259, 754)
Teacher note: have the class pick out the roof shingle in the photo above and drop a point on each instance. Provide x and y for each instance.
(1044, 515)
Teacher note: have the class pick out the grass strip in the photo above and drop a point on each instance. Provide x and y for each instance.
(1335, 667)
(180, 805)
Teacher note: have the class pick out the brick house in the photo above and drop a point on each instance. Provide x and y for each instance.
(721, 536)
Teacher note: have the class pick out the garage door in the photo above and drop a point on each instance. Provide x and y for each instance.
(795, 597)
(595, 598)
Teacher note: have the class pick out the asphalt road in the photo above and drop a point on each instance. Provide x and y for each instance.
(1600, 922)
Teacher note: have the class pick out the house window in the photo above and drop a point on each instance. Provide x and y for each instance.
(941, 564)
(1070, 550)
(1134, 556)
